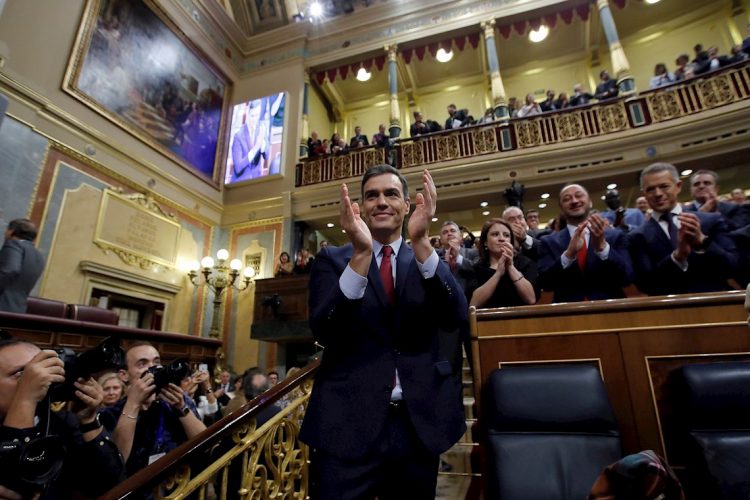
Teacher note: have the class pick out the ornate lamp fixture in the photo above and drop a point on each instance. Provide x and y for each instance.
(218, 277)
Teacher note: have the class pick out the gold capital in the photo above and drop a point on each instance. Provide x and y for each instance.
(488, 28)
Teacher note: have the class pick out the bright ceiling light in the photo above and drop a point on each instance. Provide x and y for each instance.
(484, 204)
(604, 197)
(330, 224)
(652, 1)
(363, 75)
(316, 10)
(444, 56)
(486, 212)
(545, 196)
(612, 186)
(685, 173)
(542, 205)
(537, 36)
(434, 219)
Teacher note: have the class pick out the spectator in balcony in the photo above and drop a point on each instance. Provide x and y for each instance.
(704, 186)
(746, 42)
(284, 267)
(531, 108)
(587, 260)
(460, 259)
(580, 97)
(456, 117)
(359, 140)
(488, 117)
(682, 63)
(313, 145)
(419, 126)
(701, 56)
(324, 148)
(273, 378)
(738, 55)
(381, 138)
(202, 400)
(712, 63)
(503, 276)
(224, 389)
(677, 251)
(738, 196)
(549, 103)
(113, 388)
(562, 101)
(513, 107)
(528, 245)
(661, 77)
(619, 216)
(607, 88)
(21, 265)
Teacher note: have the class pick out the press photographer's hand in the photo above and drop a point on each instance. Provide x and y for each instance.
(44, 369)
(141, 389)
(173, 396)
(90, 395)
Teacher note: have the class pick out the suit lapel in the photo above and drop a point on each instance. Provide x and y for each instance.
(403, 261)
(661, 237)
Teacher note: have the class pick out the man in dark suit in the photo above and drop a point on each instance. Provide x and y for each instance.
(456, 117)
(249, 144)
(359, 140)
(21, 264)
(587, 260)
(677, 251)
(529, 244)
(420, 126)
(387, 397)
(704, 186)
(460, 259)
(607, 88)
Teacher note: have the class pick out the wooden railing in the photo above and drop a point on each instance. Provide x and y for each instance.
(234, 458)
(708, 91)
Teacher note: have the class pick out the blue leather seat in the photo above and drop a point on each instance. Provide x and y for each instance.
(550, 431)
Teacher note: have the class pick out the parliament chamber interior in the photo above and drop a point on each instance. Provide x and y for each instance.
(182, 163)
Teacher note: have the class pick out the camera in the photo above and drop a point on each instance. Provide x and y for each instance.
(172, 373)
(29, 467)
(107, 355)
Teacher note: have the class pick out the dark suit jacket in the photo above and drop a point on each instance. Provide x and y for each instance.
(736, 216)
(601, 279)
(742, 240)
(657, 274)
(354, 140)
(21, 264)
(366, 340)
(470, 257)
(241, 146)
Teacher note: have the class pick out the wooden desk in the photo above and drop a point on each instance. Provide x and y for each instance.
(636, 344)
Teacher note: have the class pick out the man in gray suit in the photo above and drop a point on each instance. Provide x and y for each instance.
(21, 264)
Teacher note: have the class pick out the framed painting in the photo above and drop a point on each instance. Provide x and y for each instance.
(133, 65)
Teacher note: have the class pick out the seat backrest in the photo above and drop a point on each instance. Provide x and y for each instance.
(550, 431)
(45, 307)
(93, 314)
(716, 413)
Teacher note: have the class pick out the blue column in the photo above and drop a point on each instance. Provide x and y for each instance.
(395, 122)
(499, 100)
(620, 65)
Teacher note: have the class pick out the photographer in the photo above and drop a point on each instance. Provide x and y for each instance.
(149, 421)
(46, 453)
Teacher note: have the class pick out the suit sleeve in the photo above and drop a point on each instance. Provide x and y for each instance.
(720, 256)
(550, 268)
(11, 260)
(618, 267)
(654, 277)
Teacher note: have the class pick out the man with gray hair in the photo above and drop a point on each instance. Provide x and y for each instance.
(677, 251)
(21, 264)
(459, 258)
(529, 245)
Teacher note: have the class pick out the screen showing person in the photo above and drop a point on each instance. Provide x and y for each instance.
(255, 139)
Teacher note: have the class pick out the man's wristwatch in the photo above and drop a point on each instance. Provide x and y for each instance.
(91, 426)
(184, 411)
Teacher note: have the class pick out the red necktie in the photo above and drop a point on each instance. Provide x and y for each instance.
(582, 253)
(386, 275)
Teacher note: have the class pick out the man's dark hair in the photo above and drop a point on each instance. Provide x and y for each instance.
(132, 346)
(381, 170)
(247, 383)
(11, 342)
(532, 211)
(273, 372)
(704, 171)
(23, 229)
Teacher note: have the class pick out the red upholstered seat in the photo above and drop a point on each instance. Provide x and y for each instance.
(93, 314)
(46, 307)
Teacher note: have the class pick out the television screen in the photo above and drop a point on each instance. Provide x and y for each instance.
(255, 139)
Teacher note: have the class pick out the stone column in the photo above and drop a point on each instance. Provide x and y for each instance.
(620, 65)
(305, 122)
(395, 122)
(499, 101)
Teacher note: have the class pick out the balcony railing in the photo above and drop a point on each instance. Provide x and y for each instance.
(725, 86)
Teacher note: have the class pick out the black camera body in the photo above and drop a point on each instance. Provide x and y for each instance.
(28, 467)
(173, 373)
(107, 355)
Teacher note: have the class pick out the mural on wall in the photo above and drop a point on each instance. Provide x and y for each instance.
(133, 65)
(266, 14)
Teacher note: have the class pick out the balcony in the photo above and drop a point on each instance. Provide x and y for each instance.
(644, 113)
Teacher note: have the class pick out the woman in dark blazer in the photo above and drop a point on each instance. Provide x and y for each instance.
(503, 276)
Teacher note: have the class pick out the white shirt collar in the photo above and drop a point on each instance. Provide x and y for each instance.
(677, 210)
(395, 245)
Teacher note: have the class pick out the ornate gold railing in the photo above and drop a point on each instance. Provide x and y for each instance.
(725, 86)
(234, 458)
